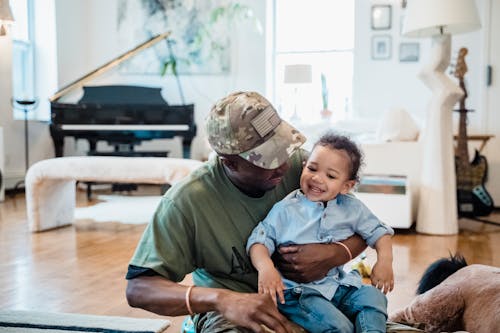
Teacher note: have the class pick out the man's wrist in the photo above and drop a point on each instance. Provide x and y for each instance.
(338, 255)
(208, 299)
(346, 250)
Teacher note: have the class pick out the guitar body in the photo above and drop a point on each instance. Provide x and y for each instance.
(472, 197)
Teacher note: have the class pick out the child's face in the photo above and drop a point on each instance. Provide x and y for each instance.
(326, 174)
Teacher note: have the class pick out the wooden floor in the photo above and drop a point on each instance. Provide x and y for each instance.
(81, 269)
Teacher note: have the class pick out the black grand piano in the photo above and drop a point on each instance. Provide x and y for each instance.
(121, 115)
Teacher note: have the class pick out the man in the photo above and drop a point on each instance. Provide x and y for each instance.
(203, 222)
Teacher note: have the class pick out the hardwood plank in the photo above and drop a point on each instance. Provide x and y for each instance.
(81, 268)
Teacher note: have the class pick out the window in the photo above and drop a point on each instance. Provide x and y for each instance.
(319, 33)
(22, 49)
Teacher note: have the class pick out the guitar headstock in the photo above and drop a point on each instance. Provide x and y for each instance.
(461, 66)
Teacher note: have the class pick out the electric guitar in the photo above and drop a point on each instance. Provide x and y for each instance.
(472, 197)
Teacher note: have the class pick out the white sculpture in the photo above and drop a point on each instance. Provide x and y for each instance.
(437, 211)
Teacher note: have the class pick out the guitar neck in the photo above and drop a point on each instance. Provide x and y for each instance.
(462, 150)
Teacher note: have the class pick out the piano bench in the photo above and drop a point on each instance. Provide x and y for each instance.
(51, 184)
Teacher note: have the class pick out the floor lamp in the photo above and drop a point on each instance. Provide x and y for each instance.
(297, 75)
(25, 105)
(5, 16)
(437, 211)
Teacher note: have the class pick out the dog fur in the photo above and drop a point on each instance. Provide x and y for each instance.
(468, 299)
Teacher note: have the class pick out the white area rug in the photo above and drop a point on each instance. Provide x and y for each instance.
(120, 208)
(47, 322)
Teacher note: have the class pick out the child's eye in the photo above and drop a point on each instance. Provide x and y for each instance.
(311, 168)
(331, 176)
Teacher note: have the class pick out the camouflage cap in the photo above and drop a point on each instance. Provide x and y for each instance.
(246, 124)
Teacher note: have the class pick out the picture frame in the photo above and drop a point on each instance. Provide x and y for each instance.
(409, 52)
(381, 17)
(381, 47)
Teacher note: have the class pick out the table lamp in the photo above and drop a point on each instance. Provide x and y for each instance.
(297, 75)
(5, 16)
(439, 19)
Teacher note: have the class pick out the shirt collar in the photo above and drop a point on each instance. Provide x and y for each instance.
(301, 196)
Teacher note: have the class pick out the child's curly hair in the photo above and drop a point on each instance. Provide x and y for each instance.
(342, 142)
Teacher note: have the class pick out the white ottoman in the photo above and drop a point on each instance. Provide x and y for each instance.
(50, 184)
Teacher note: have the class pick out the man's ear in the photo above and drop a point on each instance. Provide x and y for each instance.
(229, 163)
(347, 187)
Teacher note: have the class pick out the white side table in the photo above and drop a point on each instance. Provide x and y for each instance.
(388, 197)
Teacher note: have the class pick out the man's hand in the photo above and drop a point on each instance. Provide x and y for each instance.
(253, 311)
(304, 263)
(270, 283)
(311, 262)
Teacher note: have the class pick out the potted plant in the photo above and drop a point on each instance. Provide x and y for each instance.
(325, 112)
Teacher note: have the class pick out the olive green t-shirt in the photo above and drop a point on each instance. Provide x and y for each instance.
(202, 224)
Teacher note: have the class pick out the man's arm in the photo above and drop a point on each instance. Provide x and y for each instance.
(310, 262)
(164, 297)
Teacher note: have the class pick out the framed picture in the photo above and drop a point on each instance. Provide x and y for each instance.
(381, 17)
(409, 52)
(381, 47)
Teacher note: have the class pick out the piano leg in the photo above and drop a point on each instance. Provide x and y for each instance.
(57, 139)
(92, 146)
(92, 151)
(58, 146)
(186, 148)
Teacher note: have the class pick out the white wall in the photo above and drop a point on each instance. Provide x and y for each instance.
(381, 85)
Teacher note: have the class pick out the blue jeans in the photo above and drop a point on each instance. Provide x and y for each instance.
(363, 309)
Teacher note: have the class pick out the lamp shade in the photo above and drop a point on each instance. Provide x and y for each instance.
(5, 12)
(425, 18)
(298, 73)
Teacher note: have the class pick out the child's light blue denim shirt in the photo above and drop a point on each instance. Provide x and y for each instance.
(297, 220)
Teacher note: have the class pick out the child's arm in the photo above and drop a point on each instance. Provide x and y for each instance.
(270, 281)
(382, 276)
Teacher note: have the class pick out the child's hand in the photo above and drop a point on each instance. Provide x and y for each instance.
(270, 282)
(382, 276)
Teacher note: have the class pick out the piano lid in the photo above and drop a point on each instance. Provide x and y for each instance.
(122, 95)
(106, 67)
